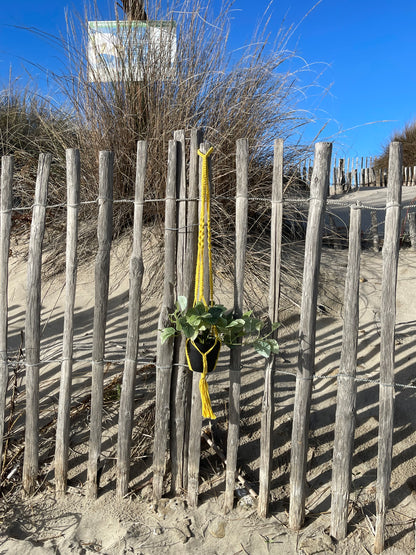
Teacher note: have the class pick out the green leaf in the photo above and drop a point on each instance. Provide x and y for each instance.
(259, 325)
(274, 346)
(239, 323)
(275, 325)
(199, 308)
(188, 330)
(262, 347)
(251, 325)
(216, 311)
(182, 303)
(221, 323)
(194, 320)
(180, 322)
(166, 333)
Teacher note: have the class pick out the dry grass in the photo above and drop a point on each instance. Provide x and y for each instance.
(230, 95)
(249, 93)
(407, 136)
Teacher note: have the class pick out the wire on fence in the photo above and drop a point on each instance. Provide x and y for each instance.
(286, 201)
(151, 359)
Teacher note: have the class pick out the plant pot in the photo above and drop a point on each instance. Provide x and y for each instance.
(194, 356)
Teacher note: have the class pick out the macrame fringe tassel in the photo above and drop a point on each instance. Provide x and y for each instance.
(206, 401)
(203, 389)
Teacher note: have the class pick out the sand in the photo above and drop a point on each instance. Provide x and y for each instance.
(43, 524)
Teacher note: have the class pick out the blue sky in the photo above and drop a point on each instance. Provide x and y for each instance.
(364, 49)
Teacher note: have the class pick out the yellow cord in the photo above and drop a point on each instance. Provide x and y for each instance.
(205, 211)
(199, 277)
(203, 389)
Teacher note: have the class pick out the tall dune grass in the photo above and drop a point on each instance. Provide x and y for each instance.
(407, 136)
(252, 92)
(248, 93)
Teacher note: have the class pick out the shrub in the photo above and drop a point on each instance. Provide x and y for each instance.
(407, 136)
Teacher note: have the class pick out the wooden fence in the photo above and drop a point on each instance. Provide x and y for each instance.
(353, 173)
(178, 419)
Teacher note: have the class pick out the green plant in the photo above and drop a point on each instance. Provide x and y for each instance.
(202, 322)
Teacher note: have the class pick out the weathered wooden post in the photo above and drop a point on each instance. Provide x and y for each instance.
(374, 230)
(379, 178)
(181, 377)
(235, 354)
(73, 178)
(267, 409)
(307, 331)
(33, 303)
(340, 181)
(196, 405)
(164, 352)
(102, 278)
(405, 176)
(387, 323)
(412, 229)
(5, 226)
(346, 393)
(126, 412)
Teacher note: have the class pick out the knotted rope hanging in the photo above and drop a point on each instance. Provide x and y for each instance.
(205, 214)
(205, 210)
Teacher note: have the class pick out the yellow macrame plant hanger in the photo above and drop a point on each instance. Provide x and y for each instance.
(205, 213)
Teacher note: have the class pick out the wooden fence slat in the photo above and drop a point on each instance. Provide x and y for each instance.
(192, 202)
(412, 229)
(235, 354)
(307, 329)
(374, 230)
(102, 277)
(339, 186)
(32, 325)
(378, 178)
(196, 405)
(387, 324)
(164, 351)
(126, 411)
(5, 226)
(267, 408)
(73, 176)
(181, 378)
(194, 442)
(346, 390)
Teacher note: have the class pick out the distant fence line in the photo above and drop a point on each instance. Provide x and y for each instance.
(352, 173)
(175, 386)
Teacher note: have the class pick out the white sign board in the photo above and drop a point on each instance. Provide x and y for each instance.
(123, 50)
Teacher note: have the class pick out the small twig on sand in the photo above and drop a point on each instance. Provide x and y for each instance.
(279, 521)
(370, 525)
